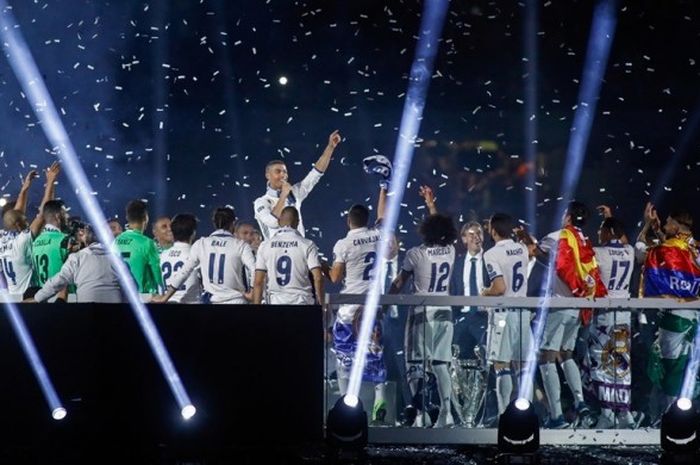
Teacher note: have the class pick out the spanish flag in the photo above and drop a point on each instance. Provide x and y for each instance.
(670, 270)
(577, 267)
(576, 264)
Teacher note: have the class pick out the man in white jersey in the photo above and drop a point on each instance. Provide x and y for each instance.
(183, 227)
(224, 261)
(16, 240)
(280, 193)
(509, 334)
(354, 259)
(574, 253)
(429, 329)
(610, 334)
(284, 262)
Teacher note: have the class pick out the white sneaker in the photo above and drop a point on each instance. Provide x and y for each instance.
(444, 421)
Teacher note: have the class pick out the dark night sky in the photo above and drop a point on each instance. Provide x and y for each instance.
(187, 92)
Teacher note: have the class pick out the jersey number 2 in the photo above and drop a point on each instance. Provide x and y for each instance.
(437, 283)
(370, 258)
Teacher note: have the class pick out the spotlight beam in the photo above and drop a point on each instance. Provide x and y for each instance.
(58, 412)
(432, 21)
(20, 58)
(531, 55)
(599, 44)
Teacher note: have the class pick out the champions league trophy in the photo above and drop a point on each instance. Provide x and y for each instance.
(468, 385)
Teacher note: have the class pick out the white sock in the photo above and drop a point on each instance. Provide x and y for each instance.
(343, 379)
(444, 386)
(504, 389)
(573, 379)
(550, 379)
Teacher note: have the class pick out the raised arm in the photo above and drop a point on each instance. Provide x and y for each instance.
(651, 221)
(325, 158)
(23, 195)
(381, 204)
(52, 173)
(427, 193)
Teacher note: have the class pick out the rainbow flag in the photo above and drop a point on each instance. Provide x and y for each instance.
(670, 270)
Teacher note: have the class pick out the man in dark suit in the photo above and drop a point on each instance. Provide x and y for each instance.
(470, 278)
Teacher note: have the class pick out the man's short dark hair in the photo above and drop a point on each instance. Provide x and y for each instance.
(502, 224)
(183, 226)
(358, 215)
(274, 162)
(578, 212)
(289, 215)
(438, 229)
(682, 216)
(614, 226)
(223, 218)
(52, 207)
(136, 211)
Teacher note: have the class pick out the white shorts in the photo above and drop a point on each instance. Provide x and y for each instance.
(237, 301)
(510, 336)
(429, 340)
(279, 298)
(560, 330)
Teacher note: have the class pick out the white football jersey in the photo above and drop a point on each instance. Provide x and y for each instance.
(171, 261)
(287, 258)
(358, 252)
(548, 244)
(224, 261)
(431, 268)
(263, 205)
(16, 261)
(508, 259)
(616, 261)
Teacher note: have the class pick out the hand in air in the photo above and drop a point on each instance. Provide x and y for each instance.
(334, 139)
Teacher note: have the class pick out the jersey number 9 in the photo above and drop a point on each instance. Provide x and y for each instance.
(284, 270)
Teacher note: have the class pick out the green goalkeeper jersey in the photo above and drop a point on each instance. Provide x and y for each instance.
(140, 254)
(49, 252)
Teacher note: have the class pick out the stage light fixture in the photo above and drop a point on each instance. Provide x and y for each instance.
(518, 432)
(188, 411)
(59, 413)
(679, 428)
(346, 425)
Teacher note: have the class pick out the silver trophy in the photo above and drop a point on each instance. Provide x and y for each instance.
(468, 385)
